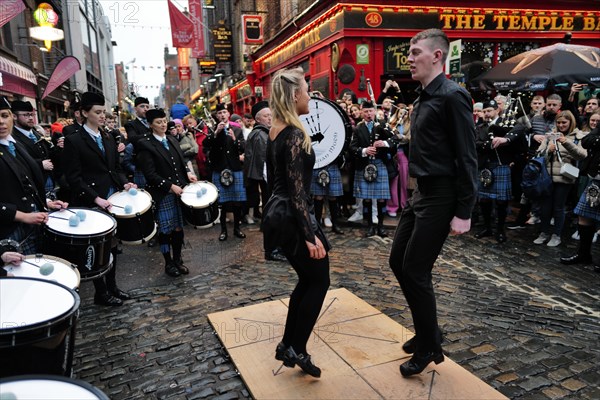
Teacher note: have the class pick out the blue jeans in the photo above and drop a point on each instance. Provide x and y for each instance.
(554, 206)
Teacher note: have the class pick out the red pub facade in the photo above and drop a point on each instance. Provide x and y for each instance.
(340, 44)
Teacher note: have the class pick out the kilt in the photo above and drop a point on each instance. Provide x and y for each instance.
(583, 209)
(49, 185)
(169, 214)
(234, 192)
(29, 237)
(139, 179)
(379, 190)
(501, 188)
(334, 188)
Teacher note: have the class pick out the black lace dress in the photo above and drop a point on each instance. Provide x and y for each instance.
(289, 174)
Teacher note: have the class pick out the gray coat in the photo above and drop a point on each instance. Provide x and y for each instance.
(256, 152)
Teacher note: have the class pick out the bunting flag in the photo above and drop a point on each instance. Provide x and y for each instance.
(196, 15)
(63, 70)
(182, 29)
(10, 9)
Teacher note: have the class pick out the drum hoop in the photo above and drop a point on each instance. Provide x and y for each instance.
(200, 208)
(87, 236)
(132, 215)
(60, 260)
(78, 382)
(49, 322)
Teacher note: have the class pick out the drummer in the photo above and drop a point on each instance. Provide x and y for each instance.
(93, 171)
(22, 201)
(226, 153)
(163, 164)
(9, 257)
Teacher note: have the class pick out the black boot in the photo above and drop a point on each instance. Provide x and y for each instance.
(111, 280)
(177, 243)
(486, 212)
(369, 215)
(501, 216)
(335, 213)
(223, 222)
(380, 232)
(237, 222)
(584, 254)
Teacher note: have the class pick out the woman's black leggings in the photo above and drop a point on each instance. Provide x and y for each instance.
(307, 298)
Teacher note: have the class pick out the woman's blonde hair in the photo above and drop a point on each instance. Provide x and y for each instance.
(568, 115)
(284, 86)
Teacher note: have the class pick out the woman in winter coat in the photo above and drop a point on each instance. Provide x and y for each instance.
(561, 148)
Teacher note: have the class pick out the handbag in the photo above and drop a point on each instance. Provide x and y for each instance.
(486, 177)
(370, 173)
(323, 178)
(278, 223)
(226, 177)
(567, 170)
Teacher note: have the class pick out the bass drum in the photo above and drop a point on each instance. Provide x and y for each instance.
(329, 128)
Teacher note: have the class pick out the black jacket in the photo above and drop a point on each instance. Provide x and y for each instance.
(255, 153)
(361, 139)
(71, 129)
(39, 151)
(485, 153)
(22, 187)
(135, 128)
(591, 164)
(161, 167)
(224, 152)
(90, 173)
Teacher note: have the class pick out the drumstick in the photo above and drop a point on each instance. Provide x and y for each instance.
(71, 211)
(45, 269)
(114, 205)
(54, 216)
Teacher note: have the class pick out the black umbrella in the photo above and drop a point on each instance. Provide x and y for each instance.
(559, 65)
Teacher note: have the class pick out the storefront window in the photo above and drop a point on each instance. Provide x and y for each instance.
(507, 50)
(476, 58)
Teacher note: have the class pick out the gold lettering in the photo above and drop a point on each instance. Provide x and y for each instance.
(500, 20)
(555, 27)
(447, 18)
(478, 21)
(568, 23)
(528, 23)
(514, 23)
(543, 23)
(589, 24)
(463, 22)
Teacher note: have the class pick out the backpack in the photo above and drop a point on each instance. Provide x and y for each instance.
(536, 182)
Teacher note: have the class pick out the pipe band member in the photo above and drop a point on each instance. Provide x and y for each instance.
(93, 171)
(163, 164)
(226, 153)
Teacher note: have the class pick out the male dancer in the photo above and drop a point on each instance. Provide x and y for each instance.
(444, 161)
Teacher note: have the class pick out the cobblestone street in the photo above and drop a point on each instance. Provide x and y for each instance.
(512, 314)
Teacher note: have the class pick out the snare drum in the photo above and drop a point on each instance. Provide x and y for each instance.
(64, 272)
(86, 245)
(37, 326)
(137, 226)
(49, 388)
(201, 211)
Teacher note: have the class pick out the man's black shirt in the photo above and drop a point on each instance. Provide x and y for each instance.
(443, 139)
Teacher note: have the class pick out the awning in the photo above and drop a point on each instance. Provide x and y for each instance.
(196, 94)
(11, 67)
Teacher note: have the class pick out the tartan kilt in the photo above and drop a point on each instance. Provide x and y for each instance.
(234, 192)
(29, 237)
(169, 214)
(334, 188)
(501, 188)
(583, 209)
(139, 179)
(380, 189)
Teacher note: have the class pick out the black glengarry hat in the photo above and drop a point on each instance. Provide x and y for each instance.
(23, 106)
(259, 106)
(155, 113)
(141, 100)
(90, 99)
(220, 107)
(4, 103)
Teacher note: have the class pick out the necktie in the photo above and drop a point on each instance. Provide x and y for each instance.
(145, 122)
(99, 143)
(370, 126)
(32, 136)
(11, 149)
(165, 144)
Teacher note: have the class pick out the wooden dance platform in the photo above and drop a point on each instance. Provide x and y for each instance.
(358, 348)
